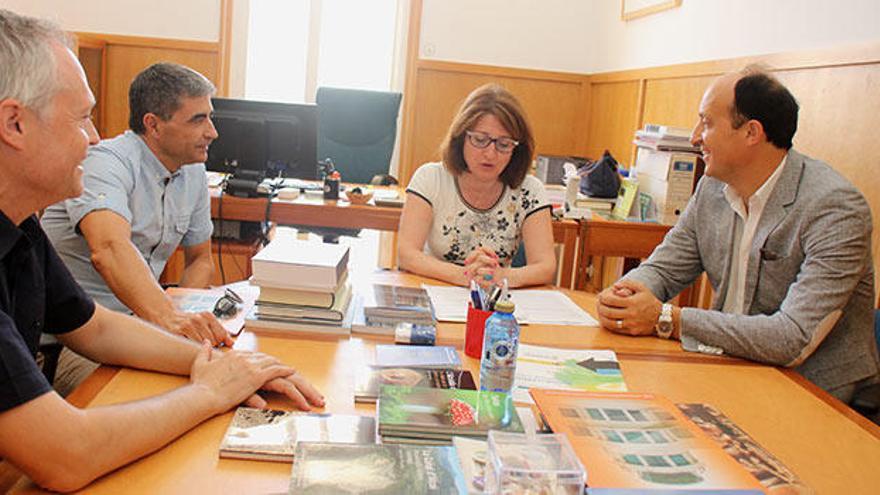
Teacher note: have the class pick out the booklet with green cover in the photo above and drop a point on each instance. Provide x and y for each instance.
(436, 413)
(375, 469)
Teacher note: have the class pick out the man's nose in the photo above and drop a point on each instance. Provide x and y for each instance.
(211, 131)
(92, 133)
(697, 135)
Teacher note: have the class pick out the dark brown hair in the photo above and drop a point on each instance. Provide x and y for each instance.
(760, 96)
(495, 100)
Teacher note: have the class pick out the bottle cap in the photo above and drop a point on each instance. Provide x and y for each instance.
(505, 306)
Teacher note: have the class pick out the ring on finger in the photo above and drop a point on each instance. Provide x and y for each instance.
(619, 324)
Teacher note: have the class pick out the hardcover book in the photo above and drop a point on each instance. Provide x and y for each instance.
(565, 369)
(433, 413)
(335, 313)
(292, 264)
(370, 379)
(331, 469)
(280, 325)
(303, 297)
(272, 435)
(400, 356)
(640, 443)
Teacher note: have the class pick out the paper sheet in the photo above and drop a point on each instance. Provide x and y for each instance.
(546, 307)
(199, 300)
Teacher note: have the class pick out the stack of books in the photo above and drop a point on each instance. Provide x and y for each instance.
(599, 205)
(303, 287)
(432, 416)
(665, 138)
(383, 307)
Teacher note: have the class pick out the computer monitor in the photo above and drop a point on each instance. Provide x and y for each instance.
(270, 138)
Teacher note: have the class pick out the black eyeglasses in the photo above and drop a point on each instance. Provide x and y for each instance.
(482, 140)
(227, 305)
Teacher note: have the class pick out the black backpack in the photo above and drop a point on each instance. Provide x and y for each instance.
(600, 179)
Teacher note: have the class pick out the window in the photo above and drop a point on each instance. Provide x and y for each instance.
(294, 46)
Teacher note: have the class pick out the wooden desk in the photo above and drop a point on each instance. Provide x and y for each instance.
(814, 435)
(315, 211)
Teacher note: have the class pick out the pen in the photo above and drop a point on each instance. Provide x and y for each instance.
(493, 297)
(475, 297)
(504, 290)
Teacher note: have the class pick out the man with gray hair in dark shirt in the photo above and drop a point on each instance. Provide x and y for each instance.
(45, 130)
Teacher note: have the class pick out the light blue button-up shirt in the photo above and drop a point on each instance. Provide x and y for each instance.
(124, 176)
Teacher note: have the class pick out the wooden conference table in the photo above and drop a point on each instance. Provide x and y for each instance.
(828, 446)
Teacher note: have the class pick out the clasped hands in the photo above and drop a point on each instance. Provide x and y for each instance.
(629, 308)
(484, 268)
(233, 377)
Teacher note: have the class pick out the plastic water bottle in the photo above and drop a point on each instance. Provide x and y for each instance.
(500, 345)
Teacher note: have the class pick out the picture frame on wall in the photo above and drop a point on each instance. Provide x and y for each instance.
(631, 9)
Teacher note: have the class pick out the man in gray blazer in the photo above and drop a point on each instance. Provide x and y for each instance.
(785, 242)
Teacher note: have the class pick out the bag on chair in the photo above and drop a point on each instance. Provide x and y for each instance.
(600, 179)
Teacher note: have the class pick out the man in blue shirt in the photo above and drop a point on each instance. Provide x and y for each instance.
(45, 130)
(145, 193)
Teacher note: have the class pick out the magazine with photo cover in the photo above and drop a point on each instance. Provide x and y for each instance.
(272, 435)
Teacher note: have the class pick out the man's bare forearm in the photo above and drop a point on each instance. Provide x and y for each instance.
(115, 338)
(198, 273)
(131, 280)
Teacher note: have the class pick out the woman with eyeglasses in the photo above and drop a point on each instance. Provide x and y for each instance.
(466, 217)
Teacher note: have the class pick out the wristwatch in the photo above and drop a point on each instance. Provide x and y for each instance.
(664, 323)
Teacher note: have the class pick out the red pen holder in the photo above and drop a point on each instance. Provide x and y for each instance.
(475, 326)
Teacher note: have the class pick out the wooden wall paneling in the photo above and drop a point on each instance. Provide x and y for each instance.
(613, 118)
(92, 57)
(126, 61)
(406, 163)
(838, 112)
(440, 88)
(674, 101)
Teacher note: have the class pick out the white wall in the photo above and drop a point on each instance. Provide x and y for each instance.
(588, 36)
(178, 19)
(238, 55)
(718, 29)
(539, 34)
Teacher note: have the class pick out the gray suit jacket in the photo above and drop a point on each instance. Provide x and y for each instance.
(810, 280)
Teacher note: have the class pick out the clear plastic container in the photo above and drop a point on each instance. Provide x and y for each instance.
(540, 464)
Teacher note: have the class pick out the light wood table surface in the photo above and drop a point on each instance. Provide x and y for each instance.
(823, 442)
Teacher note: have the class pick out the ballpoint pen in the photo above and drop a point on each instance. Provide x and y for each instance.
(476, 301)
(493, 297)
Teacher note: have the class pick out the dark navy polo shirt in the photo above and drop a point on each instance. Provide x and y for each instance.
(37, 294)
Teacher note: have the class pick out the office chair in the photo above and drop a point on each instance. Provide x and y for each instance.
(357, 129)
(632, 241)
(867, 400)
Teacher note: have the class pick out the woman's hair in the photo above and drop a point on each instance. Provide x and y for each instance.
(495, 100)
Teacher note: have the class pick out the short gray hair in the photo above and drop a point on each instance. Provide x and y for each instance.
(158, 88)
(29, 71)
